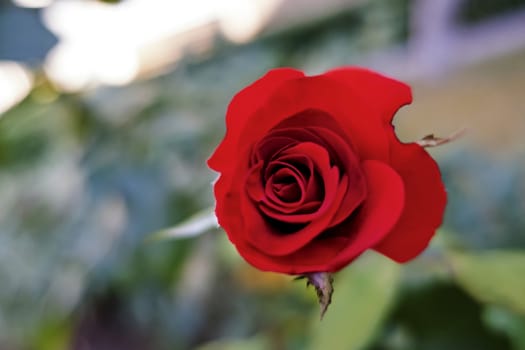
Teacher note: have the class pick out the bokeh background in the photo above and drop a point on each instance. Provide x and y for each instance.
(109, 110)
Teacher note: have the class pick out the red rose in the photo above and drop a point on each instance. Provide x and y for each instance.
(312, 173)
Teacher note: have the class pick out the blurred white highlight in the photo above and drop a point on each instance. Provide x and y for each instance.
(113, 43)
(241, 20)
(32, 3)
(15, 83)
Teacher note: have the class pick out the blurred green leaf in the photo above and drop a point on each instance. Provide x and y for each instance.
(495, 277)
(507, 323)
(437, 315)
(52, 335)
(254, 343)
(195, 225)
(362, 296)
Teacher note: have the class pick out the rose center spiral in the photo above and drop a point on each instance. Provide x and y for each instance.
(285, 185)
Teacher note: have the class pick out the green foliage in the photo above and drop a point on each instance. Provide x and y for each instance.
(437, 315)
(493, 277)
(363, 295)
(53, 335)
(508, 323)
(255, 343)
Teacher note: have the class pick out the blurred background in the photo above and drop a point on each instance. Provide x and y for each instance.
(109, 110)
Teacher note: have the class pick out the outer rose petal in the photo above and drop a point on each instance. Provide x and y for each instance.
(343, 243)
(387, 94)
(358, 119)
(425, 200)
(242, 106)
(380, 212)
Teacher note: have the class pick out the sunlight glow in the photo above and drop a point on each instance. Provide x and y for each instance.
(74, 66)
(111, 43)
(110, 52)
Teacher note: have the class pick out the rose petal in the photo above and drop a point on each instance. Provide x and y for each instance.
(379, 213)
(349, 163)
(258, 193)
(311, 258)
(327, 174)
(340, 245)
(388, 95)
(361, 123)
(293, 161)
(273, 241)
(254, 185)
(425, 200)
(299, 126)
(242, 107)
(270, 146)
(272, 201)
(286, 194)
(340, 150)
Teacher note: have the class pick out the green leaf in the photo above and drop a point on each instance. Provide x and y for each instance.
(53, 334)
(364, 291)
(254, 343)
(508, 323)
(195, 225)
(494, 277)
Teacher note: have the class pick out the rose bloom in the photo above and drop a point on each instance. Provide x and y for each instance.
(312, 173)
